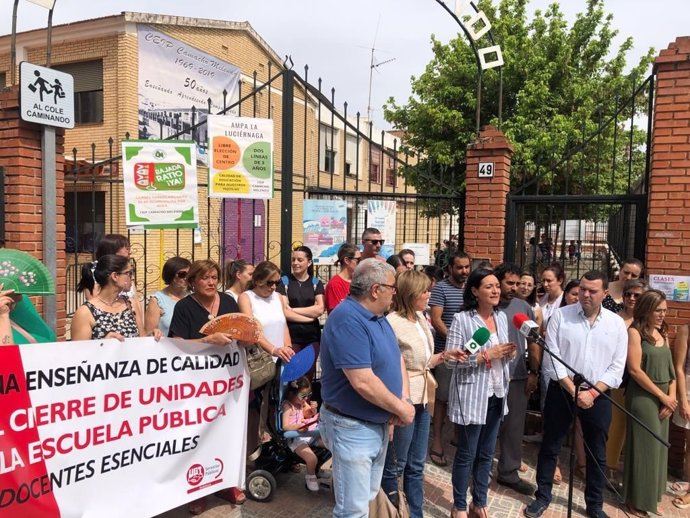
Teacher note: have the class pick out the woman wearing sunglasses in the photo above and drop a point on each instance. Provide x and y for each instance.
(339, 286)
(109, 314)
(159, 310)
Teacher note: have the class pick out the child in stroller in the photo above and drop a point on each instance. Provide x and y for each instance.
(300, 415)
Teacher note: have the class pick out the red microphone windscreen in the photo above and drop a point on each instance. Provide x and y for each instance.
(520, 319)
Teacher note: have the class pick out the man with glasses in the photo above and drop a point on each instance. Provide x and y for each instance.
(372, 244)
(364, 386)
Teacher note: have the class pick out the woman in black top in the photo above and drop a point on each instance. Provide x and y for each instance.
(304, 296)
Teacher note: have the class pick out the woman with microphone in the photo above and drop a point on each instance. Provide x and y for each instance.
(478, 340)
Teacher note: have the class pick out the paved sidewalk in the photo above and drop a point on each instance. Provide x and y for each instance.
(291, 499)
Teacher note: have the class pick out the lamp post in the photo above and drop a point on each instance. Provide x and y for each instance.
(48, 4)
(475, 28)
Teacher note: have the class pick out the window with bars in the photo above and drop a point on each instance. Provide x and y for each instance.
(329, 142)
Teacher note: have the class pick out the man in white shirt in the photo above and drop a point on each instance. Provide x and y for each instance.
(593, 341)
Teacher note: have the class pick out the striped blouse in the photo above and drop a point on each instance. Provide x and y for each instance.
(468, 398)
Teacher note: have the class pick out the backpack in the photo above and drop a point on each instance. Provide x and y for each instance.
(286, 280)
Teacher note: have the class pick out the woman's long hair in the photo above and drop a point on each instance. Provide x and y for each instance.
(409, 285)
(645, 306)
(109, 244)
(474, 281)
(108, 264)
(306, 251)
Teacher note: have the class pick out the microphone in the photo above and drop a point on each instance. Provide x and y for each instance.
(529, 329)
(479, 338)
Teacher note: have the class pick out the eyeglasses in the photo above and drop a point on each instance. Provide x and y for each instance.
(355, 259)
(304, 395)
(376, 241)
(182, 274)
(271, 284)
(631, 294)
(128, 272)
(391, 286)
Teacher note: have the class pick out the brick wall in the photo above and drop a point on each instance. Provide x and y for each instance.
(668, 238)
(485, 198)
(21, 157)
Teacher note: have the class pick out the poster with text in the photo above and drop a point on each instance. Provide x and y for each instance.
(111, 429)
(421, 252)
(160, 181)
(381, 215)
(675, 287)
(173, 78)
(325, 225)
(241, 157)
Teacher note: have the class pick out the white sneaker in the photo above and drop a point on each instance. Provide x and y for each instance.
(311, 482)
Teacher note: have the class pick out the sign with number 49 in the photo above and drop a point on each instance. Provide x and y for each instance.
(486, 169)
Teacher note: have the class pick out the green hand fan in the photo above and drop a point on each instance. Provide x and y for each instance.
(24, 274)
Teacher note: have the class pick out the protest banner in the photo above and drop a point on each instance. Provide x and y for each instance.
(241, 157)
(110, 429)
(381, 214)
(160, 181)
(325, 226)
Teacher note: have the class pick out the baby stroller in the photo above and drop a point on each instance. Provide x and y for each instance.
(276, 456)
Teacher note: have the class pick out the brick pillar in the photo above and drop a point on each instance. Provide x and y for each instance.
(21, 159)
(485, 198)
(668, 235)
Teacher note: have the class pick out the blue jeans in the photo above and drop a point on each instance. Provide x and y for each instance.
(359, 452)
(476, 445)
(410, 444)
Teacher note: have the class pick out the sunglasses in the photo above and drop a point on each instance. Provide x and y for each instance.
(631, 294)
(182, 274)
(271, 284)
(304, 395)
(355, 259)
(376, 241)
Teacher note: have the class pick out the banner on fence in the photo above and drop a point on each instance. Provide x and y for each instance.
(675, 287)
(241, 157)
(421, 253)
(110, 429)
(173, 77)
(325, 225)
(381, 215)
(160, 181)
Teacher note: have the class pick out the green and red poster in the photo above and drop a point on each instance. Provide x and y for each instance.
(160, 180)
(241, 157)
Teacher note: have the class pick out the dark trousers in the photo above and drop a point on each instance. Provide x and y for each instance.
(511, 432)
(558, 417)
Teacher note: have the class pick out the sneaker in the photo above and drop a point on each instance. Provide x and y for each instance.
(535, 509)
(311, 482)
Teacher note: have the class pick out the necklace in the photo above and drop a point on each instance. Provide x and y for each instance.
(109, 304)
(211, 312)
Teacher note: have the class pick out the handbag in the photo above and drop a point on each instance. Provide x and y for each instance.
(392, 505)
(261, 367)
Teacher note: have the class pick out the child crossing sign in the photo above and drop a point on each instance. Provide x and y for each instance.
(46, 96)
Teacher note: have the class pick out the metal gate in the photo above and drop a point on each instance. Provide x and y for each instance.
(321, 152)
(587, 210)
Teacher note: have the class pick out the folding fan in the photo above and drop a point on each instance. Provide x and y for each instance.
(238, 325)
(24, 274)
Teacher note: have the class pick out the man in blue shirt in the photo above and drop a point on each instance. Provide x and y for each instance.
(364, 386)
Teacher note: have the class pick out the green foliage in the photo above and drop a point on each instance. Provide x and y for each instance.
(561, 86)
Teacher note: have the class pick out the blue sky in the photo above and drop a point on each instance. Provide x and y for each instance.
(335, 38)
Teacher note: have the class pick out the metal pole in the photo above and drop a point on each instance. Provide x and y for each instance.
(49, 205)
(13, 44)
(286, 171)
(49, 46)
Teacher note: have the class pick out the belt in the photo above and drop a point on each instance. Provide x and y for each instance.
(335, 411)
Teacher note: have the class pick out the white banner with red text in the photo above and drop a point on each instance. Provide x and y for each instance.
(111, 429)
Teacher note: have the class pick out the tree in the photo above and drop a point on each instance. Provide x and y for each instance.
(561, 85)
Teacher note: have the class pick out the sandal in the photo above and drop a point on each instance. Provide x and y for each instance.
(682, 502)
(438, 458)
(557, 476)
(523, 468)
(637, 512)
(197, 506)
(477, 512)
(680, 487)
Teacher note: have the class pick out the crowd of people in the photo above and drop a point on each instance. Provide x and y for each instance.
(408, 350)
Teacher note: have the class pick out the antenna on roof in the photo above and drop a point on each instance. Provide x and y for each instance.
(374, 66)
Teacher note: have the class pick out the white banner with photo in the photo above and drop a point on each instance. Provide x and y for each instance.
(381, 214)
(173, 77)
(110, 429)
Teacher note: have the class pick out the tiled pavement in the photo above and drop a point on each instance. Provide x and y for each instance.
(291, 499)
